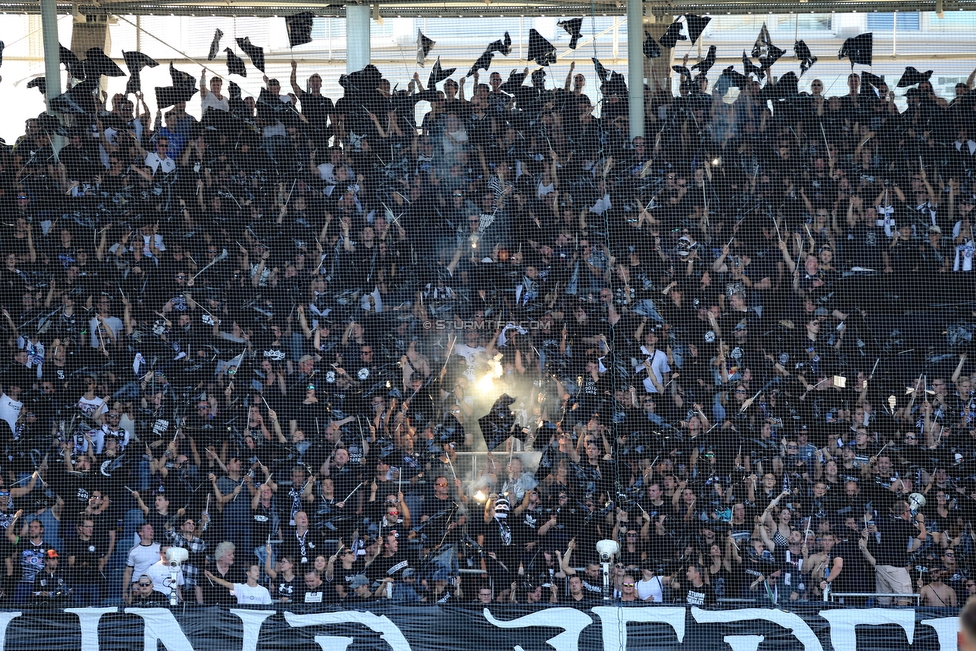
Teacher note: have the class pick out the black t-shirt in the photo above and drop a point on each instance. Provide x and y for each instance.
(216, 594)
(343, 578)
(857, 574)
(896, 535)
(588, 598)
(865, 246)
(87, 553)
(317, 109)
(700, 596)
(74, 488)
(287, 589)
(264, 522)
(301, 549)
(384, 566)
(317, 595)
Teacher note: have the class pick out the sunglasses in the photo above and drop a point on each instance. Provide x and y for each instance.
(145, 585)
(628, 585)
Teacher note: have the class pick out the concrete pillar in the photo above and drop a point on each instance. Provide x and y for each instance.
(658, 71)
(635, 66)
(357, 37)
(94, 32)
(52, 56)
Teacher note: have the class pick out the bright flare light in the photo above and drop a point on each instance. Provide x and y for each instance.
(480, 496)
(486, 384)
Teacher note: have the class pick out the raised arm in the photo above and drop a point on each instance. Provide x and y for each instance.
(219, 581)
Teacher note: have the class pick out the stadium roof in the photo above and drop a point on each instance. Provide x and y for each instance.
(425, 8)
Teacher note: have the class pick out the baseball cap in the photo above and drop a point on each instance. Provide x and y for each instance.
(51, 553)
(358, 581)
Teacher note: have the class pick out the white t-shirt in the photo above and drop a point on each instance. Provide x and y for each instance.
(247, 595)
(10, 410)
(659, 366)
(157, 240)
(469, 354)
(161, 576)
(91, 408)
(650, 590)
(113, 322)
(210, 101)
(154, 162)
(141, 558)
(964, 256)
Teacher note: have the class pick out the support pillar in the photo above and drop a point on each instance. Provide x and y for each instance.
(658, 71)
(93, 32)
(635, 66)
(52, 54)
(357, 37)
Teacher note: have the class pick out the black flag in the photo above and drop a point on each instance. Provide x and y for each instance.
(135, 62)
(672, 36)
(235, 65)
(424, 46)
(299, 28)
(502, 45)
(651, 49)
(481, 64)
(802, 52)
(913, 77)
(438, 74)
(98, 63)
(215, 45)
(71, 62)
(540, 50)
(40, 83)
(253, 52)
(572, 28)
(706, 64)
(180, 78)
(451, 431)
(696, 25)
(858, 49)
(497, 424)
(80, 99)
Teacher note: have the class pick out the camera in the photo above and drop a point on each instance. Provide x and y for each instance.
(606, 549)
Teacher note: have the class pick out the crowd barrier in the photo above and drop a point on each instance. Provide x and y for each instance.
(382, 627)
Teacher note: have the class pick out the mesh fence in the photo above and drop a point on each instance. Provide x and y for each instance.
(295, 360)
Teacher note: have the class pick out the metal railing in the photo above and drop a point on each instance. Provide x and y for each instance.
(831, 596)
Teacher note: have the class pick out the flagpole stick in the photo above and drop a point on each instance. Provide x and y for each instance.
(826, 145)
(451, 465)
(353, 492)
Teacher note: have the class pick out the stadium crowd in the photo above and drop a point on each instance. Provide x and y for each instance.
(337, 355)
